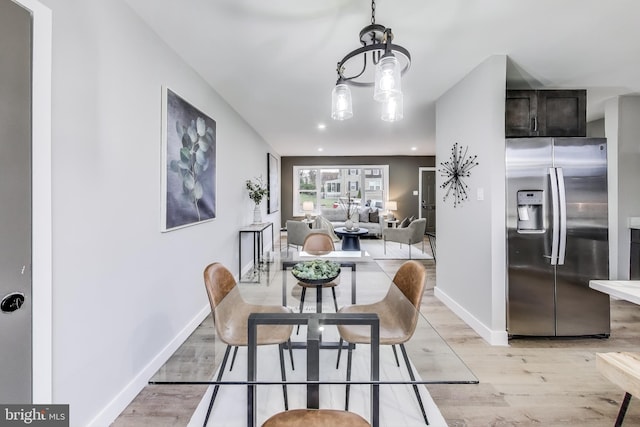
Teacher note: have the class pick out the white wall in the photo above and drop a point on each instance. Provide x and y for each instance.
(611, 133)
(471, 237)
(116, 278)
(622, 129)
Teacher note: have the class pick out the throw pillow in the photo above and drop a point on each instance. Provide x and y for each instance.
(411, 219)
(364, 215)
(404, 223)
(374, 215)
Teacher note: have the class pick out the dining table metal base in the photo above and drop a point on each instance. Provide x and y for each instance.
(315, 322)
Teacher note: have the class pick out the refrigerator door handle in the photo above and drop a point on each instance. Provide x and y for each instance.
(555, 229)
(563, 217)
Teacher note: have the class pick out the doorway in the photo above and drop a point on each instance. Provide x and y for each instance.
(16, 307)
(427, 197)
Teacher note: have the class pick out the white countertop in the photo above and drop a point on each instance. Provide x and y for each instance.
(628, 290)
(634, 222)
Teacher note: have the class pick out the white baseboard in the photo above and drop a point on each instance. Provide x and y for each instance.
(119, 403)
(498, 338)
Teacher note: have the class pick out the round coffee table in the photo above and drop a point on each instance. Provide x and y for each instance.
(350, 238)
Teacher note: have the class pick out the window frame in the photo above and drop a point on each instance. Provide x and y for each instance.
(383, 169)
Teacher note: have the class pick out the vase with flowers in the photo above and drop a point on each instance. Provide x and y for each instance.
(257, 191)
(350, 206)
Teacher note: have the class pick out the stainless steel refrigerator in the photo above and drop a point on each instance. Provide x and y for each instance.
(557, 237)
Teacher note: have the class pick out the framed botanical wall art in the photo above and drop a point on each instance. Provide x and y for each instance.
(273, 183)
(188, 163)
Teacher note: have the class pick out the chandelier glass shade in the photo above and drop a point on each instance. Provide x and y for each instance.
(388, 81)
(392, 109)
(341, 108)
(389, 62)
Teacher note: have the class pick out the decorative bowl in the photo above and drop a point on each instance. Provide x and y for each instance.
(316, 272)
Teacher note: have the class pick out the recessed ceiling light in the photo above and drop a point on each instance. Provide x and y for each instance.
(322, 126)
(414, 148)
(320, 149)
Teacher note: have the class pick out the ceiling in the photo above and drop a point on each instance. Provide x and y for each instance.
(274, 61)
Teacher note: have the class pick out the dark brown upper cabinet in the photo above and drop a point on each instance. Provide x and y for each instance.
(546, 113)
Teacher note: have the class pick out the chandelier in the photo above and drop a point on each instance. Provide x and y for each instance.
(390, 61)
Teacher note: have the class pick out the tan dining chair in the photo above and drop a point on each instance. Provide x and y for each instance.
(316, 418)
(297, 231)
(398, 312)
(231, 321)
(318, 244)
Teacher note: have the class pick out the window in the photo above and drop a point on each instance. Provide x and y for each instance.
(307, 186)
(325, 185)
(374, 184)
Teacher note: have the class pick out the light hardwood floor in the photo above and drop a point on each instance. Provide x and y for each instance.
(532, 382)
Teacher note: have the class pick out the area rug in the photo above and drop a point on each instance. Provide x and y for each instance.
(395, 250)
(398, 403)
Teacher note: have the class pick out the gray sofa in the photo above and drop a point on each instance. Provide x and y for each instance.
(338, 216)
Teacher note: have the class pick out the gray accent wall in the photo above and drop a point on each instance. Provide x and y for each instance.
(403, 178)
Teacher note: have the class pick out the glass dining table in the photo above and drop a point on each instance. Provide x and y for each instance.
(381, 388)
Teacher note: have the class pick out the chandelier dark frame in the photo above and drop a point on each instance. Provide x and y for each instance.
(390, 62)
(378, 39)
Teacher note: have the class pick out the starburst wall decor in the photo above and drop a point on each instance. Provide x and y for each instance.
(454, 171)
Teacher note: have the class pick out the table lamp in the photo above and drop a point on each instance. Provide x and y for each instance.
(391, 206)
(307, 207)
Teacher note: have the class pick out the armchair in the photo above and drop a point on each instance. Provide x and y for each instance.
(297, 231)
(412, 234)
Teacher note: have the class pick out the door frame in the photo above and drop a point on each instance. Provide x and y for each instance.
(420, 171)
(42, 340)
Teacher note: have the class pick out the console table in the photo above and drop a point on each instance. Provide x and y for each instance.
(257, 231)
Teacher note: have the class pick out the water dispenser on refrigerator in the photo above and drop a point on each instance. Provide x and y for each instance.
(530, 211)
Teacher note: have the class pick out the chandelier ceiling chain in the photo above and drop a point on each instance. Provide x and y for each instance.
(390, 61)
(373, 12)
